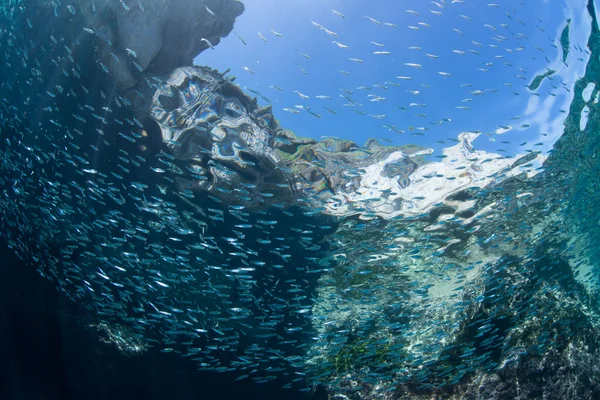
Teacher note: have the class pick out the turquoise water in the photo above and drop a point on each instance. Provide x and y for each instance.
(454, 257)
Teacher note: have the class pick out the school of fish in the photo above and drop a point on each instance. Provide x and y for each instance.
(179, 213)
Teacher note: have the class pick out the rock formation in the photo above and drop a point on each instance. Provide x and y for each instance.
(156, 36)
(129, 41)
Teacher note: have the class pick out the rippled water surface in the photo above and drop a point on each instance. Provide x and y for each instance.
(379, 200)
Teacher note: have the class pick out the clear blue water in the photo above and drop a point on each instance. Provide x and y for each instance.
(277, 63)
(456, 258)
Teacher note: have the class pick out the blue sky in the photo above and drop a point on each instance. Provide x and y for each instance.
(489, 80)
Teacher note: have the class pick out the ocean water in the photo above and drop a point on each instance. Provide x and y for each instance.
(210, 199)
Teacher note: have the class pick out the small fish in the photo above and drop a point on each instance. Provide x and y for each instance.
(249, 70)
(317, 25)
(131, 53)
(339, 14)
(373, 20)
(208, 43)
(301, 95)
(239, 37)
(338, 44)
(262, 37)
(303, 55)
(256, 92)
(275, 33)
(137, 66)
(208, 10)
(302, 69)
